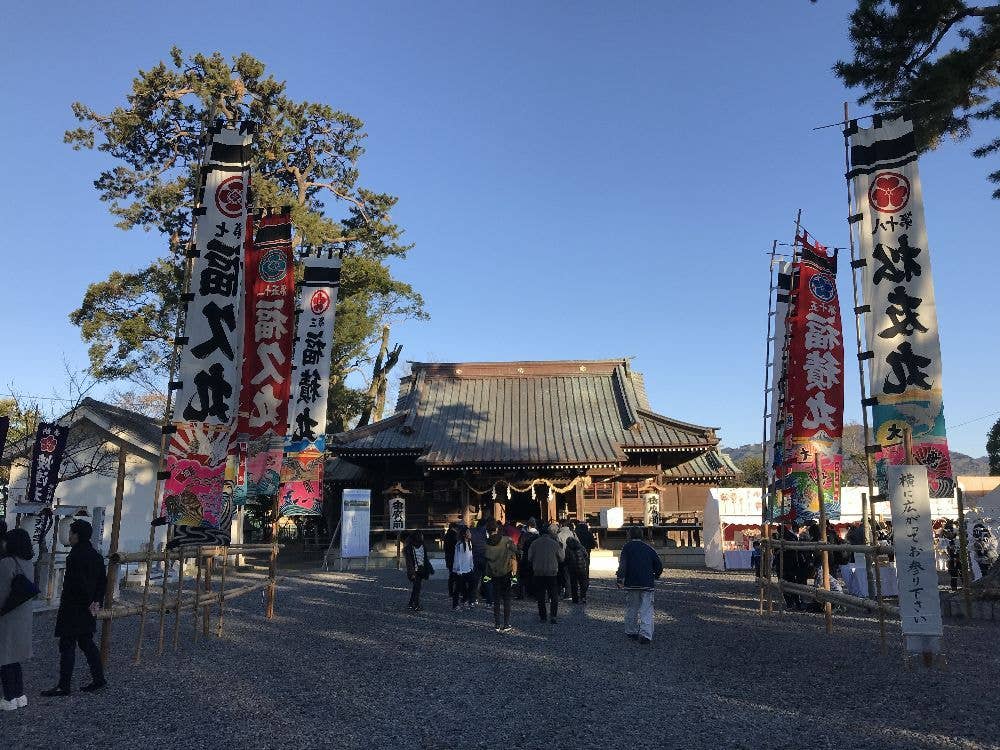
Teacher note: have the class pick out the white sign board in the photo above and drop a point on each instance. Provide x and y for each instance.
(355, 523)
(913, 542)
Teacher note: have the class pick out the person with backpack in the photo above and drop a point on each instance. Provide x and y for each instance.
(84, 586)
(15, 617)
(462, 569)
(638, 568)
(418, 567)
(526, 578)
(501, 568)
(578, 569)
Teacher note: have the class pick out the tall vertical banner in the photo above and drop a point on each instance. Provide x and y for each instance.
(901, 322)
(814, 384)
(913, 543)
(779, 354)
(267, 358)
(209, 373)
(46, 459)
(305, 441)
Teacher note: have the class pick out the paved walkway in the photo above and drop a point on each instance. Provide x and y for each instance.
(345, 664)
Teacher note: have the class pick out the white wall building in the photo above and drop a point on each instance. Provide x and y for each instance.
(97, 430)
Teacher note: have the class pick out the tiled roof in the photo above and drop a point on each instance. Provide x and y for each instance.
(523, 414)
(714, 464)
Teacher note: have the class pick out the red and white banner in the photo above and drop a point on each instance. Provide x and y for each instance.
(814, 383)
(901, 325)
(305, 443)
(267, 358)
(209, 374)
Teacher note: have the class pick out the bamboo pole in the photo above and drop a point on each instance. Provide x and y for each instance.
(137, 655)
(768, 385)
(222, 596)
(205, 611)
(163, 601)
(197, 588)
(180, 588)
(833, 547)
(836, 597)
(963, 554)
(112, 578)
(824, 554)
(188, 601)
(866, 427)
(878, 590)
(272, 567)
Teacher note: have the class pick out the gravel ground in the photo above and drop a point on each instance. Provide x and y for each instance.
(345, 664)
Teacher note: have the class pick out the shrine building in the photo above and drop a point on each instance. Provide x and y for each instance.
(512, 440)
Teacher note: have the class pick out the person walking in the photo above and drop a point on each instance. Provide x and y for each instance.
(526, 578)
(544, 557)
(84, 585)
(463, 566)
(586, 536)
(450, 540)
(638, 568)
(564, 535)
(15, 625)
(578, 569)
(501, 568)
(418, 567)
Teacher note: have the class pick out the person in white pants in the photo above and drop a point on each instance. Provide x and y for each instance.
(638, 568)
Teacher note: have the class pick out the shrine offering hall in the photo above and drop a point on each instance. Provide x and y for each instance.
(512, 440)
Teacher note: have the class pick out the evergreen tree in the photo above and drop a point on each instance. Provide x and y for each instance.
(942, 57)
(993, 449)
(305, 155)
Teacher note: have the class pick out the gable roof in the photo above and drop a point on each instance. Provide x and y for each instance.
(139, 432)
(557, 414)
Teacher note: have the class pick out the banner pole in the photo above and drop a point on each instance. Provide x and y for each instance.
(171, 372)
(824, 554)
(866, 426)
(963, 553)
(765, 529)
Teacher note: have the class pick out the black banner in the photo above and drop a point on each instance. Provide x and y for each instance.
(46, 458)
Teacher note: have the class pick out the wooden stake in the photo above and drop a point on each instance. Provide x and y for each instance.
(963, 554)
(116, 524)
(222, 596)
(163, 600)
(878, 590)
(197, 587)
(272, 567)
(180, 588)
(824, 554)
(205, 612)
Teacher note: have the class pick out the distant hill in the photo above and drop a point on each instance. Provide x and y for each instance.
(960, 463)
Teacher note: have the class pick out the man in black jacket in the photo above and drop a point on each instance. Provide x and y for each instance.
(82, 595)
(639, 566)
(450, 540)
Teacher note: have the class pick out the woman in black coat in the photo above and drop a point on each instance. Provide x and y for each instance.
(82, 595)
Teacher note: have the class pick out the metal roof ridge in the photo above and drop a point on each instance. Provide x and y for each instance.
(374, 428)
(650, 414)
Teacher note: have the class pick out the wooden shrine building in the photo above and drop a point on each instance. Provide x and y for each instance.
(512, 440)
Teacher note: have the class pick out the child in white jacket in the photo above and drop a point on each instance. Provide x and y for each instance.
(462, 568)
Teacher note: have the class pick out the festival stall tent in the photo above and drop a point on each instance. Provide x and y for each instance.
(731, 511)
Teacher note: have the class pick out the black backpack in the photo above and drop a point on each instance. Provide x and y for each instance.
(22, 590)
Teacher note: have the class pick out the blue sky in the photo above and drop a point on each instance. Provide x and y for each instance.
(581, 180)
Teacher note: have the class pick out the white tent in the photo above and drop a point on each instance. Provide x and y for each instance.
(741, 506)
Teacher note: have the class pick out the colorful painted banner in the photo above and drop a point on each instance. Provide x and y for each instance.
(267, 361)
(46, 459)
(778, 368)
(901, 325)
(209, 376)
(814, 384)
(305, 442)
(913, 543)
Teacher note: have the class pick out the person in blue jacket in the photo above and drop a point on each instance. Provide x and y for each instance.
(638, 568)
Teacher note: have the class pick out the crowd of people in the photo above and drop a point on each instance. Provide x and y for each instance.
(82, 595)
(494, 563)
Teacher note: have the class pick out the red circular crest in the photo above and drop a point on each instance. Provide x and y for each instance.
(48, 444)
(229, 197)
(319, 302)
(889, 193)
